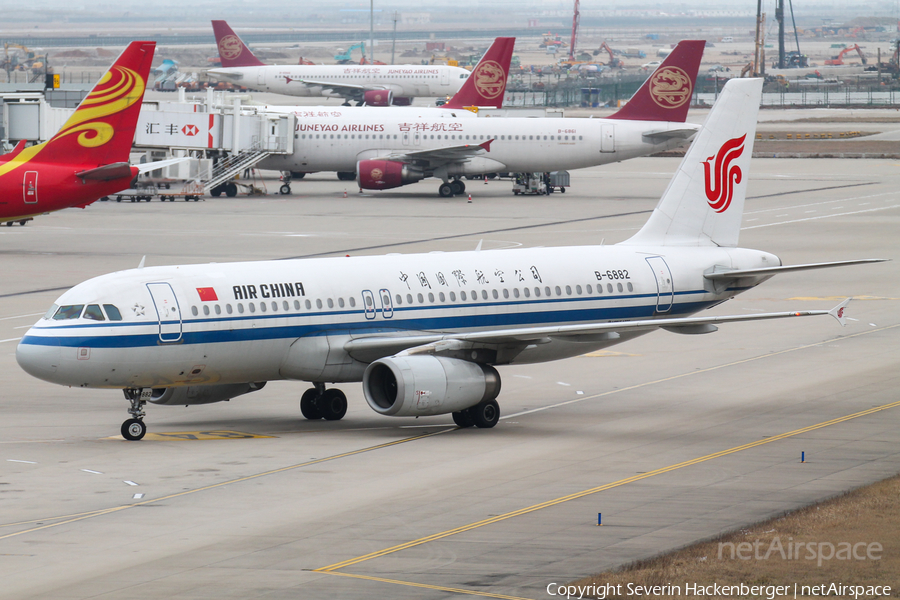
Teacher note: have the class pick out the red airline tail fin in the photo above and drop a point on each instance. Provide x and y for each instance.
(232, 50)
(487, 83)
(101, 130)
(666, 95)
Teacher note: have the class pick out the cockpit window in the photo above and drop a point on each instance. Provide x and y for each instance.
(112, 312)
(94, 313)
(72, 311)
(51, 312)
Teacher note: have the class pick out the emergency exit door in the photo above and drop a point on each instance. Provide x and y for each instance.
(29, 187)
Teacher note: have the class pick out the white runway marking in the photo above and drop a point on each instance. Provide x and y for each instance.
(21, 316)
(855, 212)
(11, 340)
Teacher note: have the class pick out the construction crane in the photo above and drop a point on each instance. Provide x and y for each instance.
(575, 19)
(839, 59)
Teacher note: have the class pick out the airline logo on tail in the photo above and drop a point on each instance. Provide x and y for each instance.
(120, 88)
(490, 79)
(720, 191)
(670, 87)
(230, 47)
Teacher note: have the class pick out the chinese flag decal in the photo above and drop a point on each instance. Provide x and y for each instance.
(207, 294)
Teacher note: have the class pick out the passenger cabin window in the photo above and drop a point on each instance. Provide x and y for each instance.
(112, 312)
(94, 313)
(66, 313)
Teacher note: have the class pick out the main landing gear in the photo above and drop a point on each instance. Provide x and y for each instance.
(319, 403)
(134, 429)
(452, 188)
(484, 415)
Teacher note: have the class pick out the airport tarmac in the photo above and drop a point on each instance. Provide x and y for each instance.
(672, 438)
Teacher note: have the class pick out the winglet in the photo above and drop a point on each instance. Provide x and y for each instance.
(486, 86)
(666, 95)
(232, 50)
(838, 312)
(486, 145)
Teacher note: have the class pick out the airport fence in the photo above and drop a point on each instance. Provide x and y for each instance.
(830, 98)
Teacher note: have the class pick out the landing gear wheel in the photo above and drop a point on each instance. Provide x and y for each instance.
(346, 175)
(463, 419)
(217, 191)
(133, 430)
(333, 405)
(298, 174)
(485, 414)
(285, 190)
(231, 190)
(445, 191)
(458, 187)
(563, 190)
(309, 405)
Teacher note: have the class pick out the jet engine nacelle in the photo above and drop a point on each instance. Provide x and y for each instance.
(385, 174)
(378, 97)
(202, 394)
(406, 386)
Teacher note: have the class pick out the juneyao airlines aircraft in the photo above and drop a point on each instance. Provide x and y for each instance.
(390, 149)
(424, 333)
(376, 85)
(88, 158)
(485, 88)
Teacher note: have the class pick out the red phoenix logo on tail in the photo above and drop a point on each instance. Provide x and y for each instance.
(720, 191)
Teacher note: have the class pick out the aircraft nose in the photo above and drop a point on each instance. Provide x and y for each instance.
(39, 356)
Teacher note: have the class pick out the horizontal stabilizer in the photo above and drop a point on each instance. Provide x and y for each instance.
(740, 273)
(672, 134)
(117, 170)
(159, 164)
(838, 312)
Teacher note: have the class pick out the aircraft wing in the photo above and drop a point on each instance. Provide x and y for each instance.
(425, 343)
(346, 90)
(437, 156)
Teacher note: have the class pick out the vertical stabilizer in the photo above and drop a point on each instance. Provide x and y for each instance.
(704, 202)
(486, 86)
(233, 52)
(101, 130)
(666, 95)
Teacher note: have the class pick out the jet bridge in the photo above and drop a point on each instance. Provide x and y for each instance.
(236, 136)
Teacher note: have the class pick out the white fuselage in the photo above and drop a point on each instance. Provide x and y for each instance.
(408, 81)
(520, 145)
(260, 321)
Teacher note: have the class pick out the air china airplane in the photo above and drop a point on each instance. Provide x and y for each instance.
(376, 85)
(88, 158)
(424, 333)
(392, 149)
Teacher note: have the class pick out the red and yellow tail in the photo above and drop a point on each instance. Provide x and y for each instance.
(486, 86)
(232, 50)
(101, 130)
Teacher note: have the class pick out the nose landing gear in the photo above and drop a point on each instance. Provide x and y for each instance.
(134, 429)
